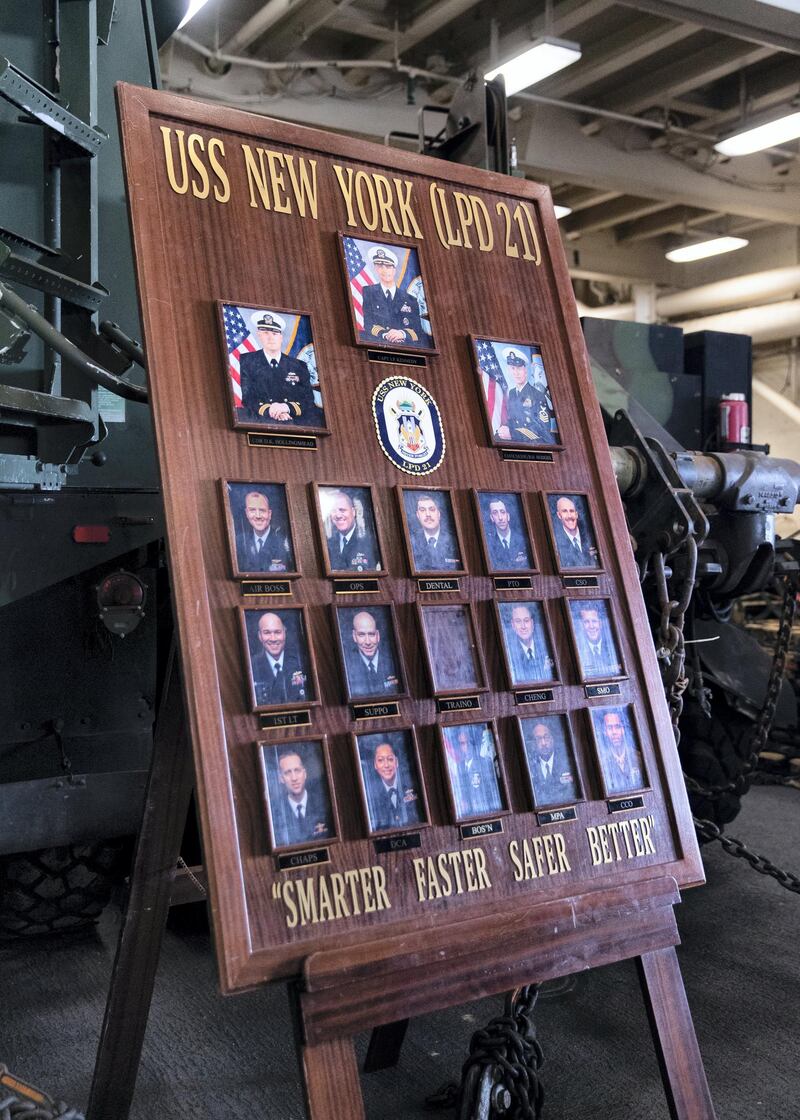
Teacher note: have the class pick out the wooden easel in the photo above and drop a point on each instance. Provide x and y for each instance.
(381, 984)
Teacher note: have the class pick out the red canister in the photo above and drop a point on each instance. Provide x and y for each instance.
(734, 419)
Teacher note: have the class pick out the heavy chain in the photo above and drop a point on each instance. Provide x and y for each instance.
(12, 1108)
(670, 648)
(763, 724)
(504, 1062)
(709, 831)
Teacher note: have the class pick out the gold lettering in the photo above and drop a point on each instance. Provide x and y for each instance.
(280, 201)
(456, 859)
(383, 191)
(436, 194)
(637, 839)
(505, 213)
(303, 188)
(215, 145)
(607, 857)
(464, 215)
(337, 886)
(410, 226)
(346, 187)
(645, 825)
(366, 889)
(182, 186)
(626, 829)
(530, 867)
(552, 866)
(351, 878)
(419, 873)
(613, 828)
(563, 862)
(441, 863)
(326, 911)
(196, 141)
(482, 223)
(287, 894)
(538, 851)
(469, 871)
(308, 901)
(594, 845)
(379, 883)
(256, 176)
(485, 883)
(368, 218)
(513, 848)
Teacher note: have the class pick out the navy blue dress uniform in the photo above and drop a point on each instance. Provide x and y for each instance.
(529, 663)
(269, 553)
(301, 823)
(393, 806)
(508, 553)
(622, 774)
(600, 658)
(285, 686)
(279, 380)
(377, 676)
(574, 552)
(529, 409)
(553, 780)
(385, 310)
(353, 552)
(436, 554)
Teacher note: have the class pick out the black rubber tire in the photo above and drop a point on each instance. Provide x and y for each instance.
(715, 752)
(58, 890)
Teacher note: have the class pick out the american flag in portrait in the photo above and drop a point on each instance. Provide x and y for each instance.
(360, 277)
(238, 341)
(493, 383)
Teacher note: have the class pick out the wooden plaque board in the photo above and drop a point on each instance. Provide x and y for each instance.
(228, 207)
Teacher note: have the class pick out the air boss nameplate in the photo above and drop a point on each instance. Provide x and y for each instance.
(408, 425)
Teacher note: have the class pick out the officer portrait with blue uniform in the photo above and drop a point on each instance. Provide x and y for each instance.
(391, 314)
(529, 409)
(276, 389)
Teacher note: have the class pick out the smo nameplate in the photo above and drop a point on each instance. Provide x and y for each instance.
(403, 843)
(292, 860)
(534, 696)
(480, 828)
(262, 588)
(375, 711)
(300, 717)
(459, 704)
(557, 816)
(594, 690)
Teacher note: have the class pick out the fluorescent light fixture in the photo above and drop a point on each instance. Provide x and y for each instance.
(545, 57)
(787, 5)
(767, 135)
(191, 11)
(698, 250)
(561, 211)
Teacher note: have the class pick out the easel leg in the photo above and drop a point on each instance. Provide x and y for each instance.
(328, 1071)
(385, 1044)
(674, 1038)
(158, 846)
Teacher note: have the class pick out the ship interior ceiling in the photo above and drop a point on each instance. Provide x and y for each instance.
(625, 138)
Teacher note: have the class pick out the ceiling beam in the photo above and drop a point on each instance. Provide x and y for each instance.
(266, 17)
(671, 220)
(636, 42)
(581, 198)
(433, 19)
(355, 24)
(747, 20)
(673, 79)
(623, 209)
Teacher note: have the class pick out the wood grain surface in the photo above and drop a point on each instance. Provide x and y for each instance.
(199, 247)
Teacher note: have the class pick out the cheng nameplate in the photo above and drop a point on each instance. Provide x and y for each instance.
(534, 696)
(300, 717)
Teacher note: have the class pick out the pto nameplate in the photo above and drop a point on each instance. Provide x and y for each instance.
(557, 816)
(512, 583)
(300, 717)
(623, 804)
(601, 690)
(459, 704)
(482, 828)
(264, 439)
(527, 456)
(428, 585)
(578, 581)
(293, 860)
(397, 843)
(355, 586)
(261, 587)
(375, 711)
(396, 358)
(534, 696)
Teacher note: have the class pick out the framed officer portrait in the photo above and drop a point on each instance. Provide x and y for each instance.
(527, 647)
(369, 652)
(594, 639)
(572, 534)
(619, 750)
(430, 528)
(390, 779)
(348, 526)
(270, 369)
(505, 532)
(549, 758)
(280, 663)
(475, 783)
(455, 663)
(389, 308)
(301, 811)
(515, 393)
(259, 529)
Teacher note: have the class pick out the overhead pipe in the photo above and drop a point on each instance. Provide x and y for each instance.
(768, 323)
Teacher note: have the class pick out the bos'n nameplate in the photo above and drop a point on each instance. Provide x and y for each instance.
(395, 649)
